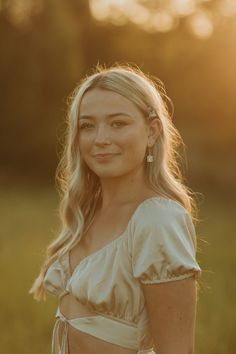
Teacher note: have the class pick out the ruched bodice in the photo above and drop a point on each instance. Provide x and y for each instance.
(158, 245)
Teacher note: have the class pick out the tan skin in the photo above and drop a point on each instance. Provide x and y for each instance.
(127, 137)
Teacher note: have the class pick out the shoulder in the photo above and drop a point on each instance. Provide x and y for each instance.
(162, 241)
(161, 221)
(159, 211)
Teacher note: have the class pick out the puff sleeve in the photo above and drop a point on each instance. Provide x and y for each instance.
(163, 242)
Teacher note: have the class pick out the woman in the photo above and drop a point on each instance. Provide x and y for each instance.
(123, 265)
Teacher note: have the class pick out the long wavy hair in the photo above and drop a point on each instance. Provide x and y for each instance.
(80, 189)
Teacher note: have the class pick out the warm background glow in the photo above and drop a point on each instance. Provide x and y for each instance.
(164, 16)
(47, 47)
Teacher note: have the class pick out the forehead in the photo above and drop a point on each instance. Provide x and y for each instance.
(98, 101)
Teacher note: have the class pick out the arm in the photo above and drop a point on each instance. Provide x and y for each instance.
(172, 310)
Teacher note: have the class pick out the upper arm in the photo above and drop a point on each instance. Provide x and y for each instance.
(163, 252)
(172, 310)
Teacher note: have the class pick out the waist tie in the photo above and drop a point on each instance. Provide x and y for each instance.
(56, 347)
(99, 326)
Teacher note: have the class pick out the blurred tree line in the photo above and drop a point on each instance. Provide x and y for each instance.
(46, 55)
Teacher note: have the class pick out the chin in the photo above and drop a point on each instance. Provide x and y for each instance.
(108, 174)
(111, 170)
(108, 171)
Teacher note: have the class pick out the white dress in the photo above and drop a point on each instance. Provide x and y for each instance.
(158, 245)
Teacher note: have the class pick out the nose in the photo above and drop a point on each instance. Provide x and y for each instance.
(102, 136)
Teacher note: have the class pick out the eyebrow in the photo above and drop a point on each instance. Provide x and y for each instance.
(84, 116)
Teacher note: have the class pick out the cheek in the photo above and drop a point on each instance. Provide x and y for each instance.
(135, 142)
(84, 144)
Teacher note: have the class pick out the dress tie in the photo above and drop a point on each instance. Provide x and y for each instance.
(98, 326)
(56, 347)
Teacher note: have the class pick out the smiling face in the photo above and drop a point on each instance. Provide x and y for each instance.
(113, 134)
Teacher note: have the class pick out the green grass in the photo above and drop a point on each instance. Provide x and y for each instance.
(29, 221)
(216, 307)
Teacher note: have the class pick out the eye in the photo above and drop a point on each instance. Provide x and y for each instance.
(118, 124)
(86, 126)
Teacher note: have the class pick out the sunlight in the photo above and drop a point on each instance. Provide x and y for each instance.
(119, 2)
(20, 12)
(227, 7)
(99, 9)
(117, 15)
(112, 10)
(161, 21)
(138, 14)
(165, 16)
(201, 16)
(201, 25)
(183, 7)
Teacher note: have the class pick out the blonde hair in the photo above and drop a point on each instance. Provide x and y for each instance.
(79, 187)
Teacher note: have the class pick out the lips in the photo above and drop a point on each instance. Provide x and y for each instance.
(104, 154)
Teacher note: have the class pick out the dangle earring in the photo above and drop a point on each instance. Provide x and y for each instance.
(149, 156)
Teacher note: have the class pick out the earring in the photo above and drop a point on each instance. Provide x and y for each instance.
(149, 156)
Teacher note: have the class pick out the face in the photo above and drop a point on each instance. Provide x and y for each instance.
(113, 134)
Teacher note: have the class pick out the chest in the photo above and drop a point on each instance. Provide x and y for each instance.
(105, 229)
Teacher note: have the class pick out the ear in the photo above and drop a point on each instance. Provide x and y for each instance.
(155, 129)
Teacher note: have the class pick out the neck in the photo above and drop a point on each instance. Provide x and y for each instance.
(121, 190)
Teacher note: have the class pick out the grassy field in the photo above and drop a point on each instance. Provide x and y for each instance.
(29, 221)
